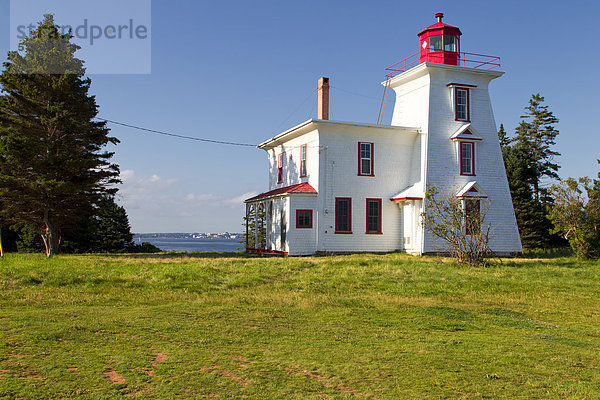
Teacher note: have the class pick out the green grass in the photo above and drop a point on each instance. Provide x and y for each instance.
(361, 326)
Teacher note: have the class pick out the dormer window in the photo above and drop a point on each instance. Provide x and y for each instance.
(466, 139)
(461, 104)
(467, 158)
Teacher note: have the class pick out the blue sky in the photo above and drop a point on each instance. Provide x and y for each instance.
(243, 71)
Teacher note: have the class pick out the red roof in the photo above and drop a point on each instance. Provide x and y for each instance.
(299, 188)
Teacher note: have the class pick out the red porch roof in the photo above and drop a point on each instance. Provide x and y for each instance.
(298, 188)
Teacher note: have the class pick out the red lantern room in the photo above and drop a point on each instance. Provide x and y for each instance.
(440, 43)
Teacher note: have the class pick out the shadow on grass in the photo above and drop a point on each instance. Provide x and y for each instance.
(180, 254)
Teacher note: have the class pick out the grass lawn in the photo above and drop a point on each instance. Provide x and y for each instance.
(361, 326)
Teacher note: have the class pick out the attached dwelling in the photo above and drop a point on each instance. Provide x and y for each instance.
(357, 187)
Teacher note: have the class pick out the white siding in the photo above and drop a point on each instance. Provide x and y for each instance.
(394, 167)
(291, 161)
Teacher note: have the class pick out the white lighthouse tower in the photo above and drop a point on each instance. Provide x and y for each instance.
(339, 186)
(445, 93)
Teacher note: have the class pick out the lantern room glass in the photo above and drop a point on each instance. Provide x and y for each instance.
(450, 43)
(443, 42)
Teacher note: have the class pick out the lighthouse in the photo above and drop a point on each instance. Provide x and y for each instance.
(338, 186)
(445, 92)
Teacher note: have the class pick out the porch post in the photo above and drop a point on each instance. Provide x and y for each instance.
(256, 225)
(247, 222)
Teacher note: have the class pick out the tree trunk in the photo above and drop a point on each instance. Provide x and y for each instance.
(51, 237)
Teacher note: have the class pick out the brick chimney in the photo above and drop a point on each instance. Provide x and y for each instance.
(323, 98)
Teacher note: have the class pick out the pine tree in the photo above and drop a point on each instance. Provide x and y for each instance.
(505, 141)
(53, 166)
(535, 135)
(112, 229)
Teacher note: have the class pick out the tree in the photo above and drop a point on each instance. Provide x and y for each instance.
(535, 135)
(576, 214)
(460, 224)
(53, 166)
(113, 232)
(255, 222)
(107, 231)
(529, 161)
(505, 141)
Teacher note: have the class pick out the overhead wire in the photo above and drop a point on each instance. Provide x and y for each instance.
(222, 142)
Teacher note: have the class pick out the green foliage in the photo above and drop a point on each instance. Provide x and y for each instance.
(106, 231)
(529, 161)
(535, 135)
(29, 241)
(366, 326)
(576, 214)
(53, 169)
(255, 223)
(462, 229)
(144, 248)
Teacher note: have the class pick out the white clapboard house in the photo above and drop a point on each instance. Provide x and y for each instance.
(356, 187)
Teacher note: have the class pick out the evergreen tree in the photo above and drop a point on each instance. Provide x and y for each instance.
(113, 232)
(107, 231)
(535, 135)
(53, 166)
(505, 141)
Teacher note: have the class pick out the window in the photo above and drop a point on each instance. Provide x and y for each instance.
(302, 161)
(343, 215)
(443, 42)
(472, 216)
(304, 219)
(365, 159)
(450, 43)
(280, 168)
(435, 43)
(461, 104)
(467, 158)
(373, 216)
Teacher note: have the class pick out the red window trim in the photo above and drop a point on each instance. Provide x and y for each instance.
(372, 159)
(311, 220)
(379, 232)
(460, 163)
(280, 167)
(349, 216)
(456, 89)
(305, 148)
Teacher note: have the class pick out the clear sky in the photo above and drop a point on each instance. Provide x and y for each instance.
(243, 71)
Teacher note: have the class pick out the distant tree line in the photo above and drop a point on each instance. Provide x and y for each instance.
(57, 183)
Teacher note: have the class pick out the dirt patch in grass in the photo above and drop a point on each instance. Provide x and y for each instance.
(114, 377)
(159, 358)
(326, 382)
(225, 373)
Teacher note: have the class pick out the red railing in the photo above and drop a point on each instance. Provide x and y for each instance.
(471, 60)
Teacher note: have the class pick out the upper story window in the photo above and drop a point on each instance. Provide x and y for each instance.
(303, 160)
(461, 104)
(467, 158)
(280, 168)
(343, 215)
(373, 216)
(365, 159)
